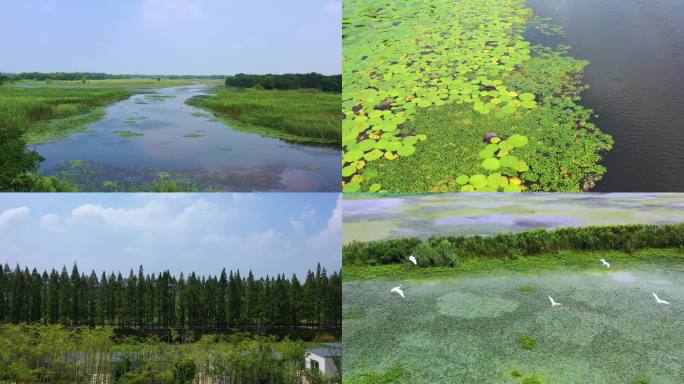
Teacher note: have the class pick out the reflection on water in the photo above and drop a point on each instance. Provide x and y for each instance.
(171, 138)
(636, 49)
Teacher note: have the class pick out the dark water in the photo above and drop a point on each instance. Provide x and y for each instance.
(636, 49)
(182, 142)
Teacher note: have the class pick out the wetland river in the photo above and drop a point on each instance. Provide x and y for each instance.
(156, 135)
(636, 49)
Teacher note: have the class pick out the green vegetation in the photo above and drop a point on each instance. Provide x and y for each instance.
(424, 83)
(528, 342)
(295, 115)
(55, 354)
(566, 260)
(391, 376)
(450, 251)
(228, 301)
(128, 134)
(287, 81)
(21, 107)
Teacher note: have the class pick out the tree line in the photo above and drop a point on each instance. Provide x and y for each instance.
(448, 250)
(312, 80)
(75, 76)
(143, 300)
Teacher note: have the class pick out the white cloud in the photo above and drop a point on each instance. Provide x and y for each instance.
(305, 217)
(171, 10)
(331, 235)
(263, 239)
(51, 222)
(12, 215)
(149, 217)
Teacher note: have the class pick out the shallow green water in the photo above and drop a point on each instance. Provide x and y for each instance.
(469, 329)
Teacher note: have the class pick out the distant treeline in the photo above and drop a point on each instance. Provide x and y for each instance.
(229, 300)
(42, 76)
(447, 251)
(287, 81)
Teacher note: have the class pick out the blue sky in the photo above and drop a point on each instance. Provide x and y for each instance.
(171, 36)
(269, 233)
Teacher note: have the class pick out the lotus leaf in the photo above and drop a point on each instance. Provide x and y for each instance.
(351, 187)
(467, 188)
(348, 170)
(406, 150)
(491, 164)
(478, 181)
(374, 187)
(518, 141)
(509, 161)
(373, 155)
(462, 180)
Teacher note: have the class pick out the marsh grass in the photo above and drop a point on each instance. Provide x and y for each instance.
(60, 111)
(296, 115)
(127, 134)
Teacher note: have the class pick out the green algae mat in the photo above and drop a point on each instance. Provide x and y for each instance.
(449, 96)
(501, 328)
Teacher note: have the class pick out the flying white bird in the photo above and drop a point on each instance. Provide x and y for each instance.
(413, 260)
(553, 302)
(398, 291)
(660, 301)
(605, 263)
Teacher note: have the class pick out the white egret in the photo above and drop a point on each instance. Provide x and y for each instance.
(659, 301)
(553, 302)
(605, 263)
(413, 260)
(398, 291)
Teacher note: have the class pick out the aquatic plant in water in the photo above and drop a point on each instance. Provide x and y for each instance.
(395, 62)
(454, 66)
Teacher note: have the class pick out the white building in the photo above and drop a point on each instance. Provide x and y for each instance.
(325, 359)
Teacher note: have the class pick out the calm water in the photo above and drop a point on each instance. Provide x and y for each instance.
(181, 142)
(636, 49)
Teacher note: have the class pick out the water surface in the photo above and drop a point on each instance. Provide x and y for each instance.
(636, 49)
(176, 141)
(468, 329)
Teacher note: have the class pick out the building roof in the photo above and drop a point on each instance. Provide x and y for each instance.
(323, 352)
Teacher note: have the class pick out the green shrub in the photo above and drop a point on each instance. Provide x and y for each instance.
(528, 342)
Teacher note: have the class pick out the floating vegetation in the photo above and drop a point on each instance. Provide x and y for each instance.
(202, 114)
(402, 58)
(528, 342)
(127, 134)
(498, 156)
(135, 119)
(195, 134)
(224, 148)
(155, 97)
(76, 163)
(546, 27)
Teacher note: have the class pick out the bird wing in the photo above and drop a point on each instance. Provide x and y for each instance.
(413, 260)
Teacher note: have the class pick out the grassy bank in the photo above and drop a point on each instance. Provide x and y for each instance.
(564, 260)
(294, 115)
(424, 83)
(47, 112)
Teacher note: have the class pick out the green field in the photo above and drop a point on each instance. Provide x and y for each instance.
(293, 115)
(424, 83)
